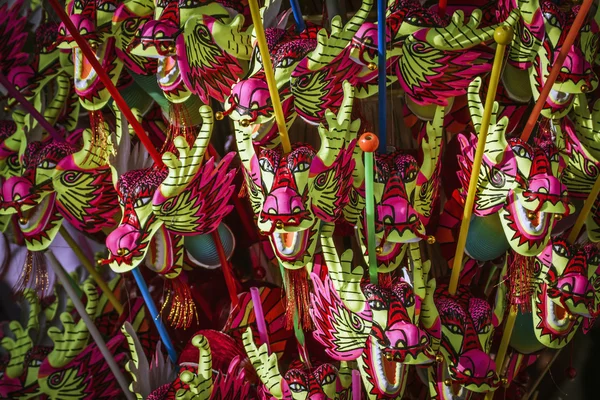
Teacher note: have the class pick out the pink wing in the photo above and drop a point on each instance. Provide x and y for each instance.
(13, 61)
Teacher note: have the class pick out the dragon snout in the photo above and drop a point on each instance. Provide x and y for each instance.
(123, 240)
(15, 189)
(283, 201)
(475, 369)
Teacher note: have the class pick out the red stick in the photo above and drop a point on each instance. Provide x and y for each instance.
(30, 108)
(442, 8)
(229, 280)
(569, 40)
(89, 54)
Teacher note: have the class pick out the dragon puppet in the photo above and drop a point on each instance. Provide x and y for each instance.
(541, 33)
(160, 205)
(57, 182)
(199, 47)
(200, 376)
(317, 381)
(249, 103)
(518, 182)
(386, 327)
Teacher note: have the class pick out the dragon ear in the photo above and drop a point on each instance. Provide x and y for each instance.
(201, 383)
(231, 38)
(269, 13)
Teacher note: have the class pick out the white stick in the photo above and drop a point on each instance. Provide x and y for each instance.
(60, 273)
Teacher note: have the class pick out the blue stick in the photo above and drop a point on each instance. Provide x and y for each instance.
(381, 30)
(300, 25)
(155, 315)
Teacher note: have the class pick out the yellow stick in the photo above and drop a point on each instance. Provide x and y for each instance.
(508, 329)
(270, 75)
(585, 210)
(90, 268)
(502, 36)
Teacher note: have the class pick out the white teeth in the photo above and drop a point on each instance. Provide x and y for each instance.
(84, 83)
(169, 78)
(37, 215)
(294, 248)
(526, 223)
(382, 381)
(560, 97)
(552, 318)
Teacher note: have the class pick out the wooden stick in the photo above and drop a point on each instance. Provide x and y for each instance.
(90, 269)
(114, 367)
(544, 372)
(103, 75)
(585, 210)
(503, 36)
(269, 74)
(501, 355)
(558, 63)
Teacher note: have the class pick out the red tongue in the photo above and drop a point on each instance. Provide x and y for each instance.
(455, 388)
(86, 68)
(288, 239)
(389, 368)
(559, 311)
(169, 64)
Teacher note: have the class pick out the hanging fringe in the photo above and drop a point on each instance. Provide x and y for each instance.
(34, 275)
(296, 286)
(520, 276)
(183, 308)
(99, 137)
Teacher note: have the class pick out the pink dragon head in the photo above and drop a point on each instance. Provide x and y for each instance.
(213, 29)
(154, 200)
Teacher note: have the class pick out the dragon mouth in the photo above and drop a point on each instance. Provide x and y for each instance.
(35, 219)
(156, 258)
(557, 317)
(85, 75)
(388, 374)
(289, 245)
(168, 74)
(531, 222)
(453, 392)
(560, 98)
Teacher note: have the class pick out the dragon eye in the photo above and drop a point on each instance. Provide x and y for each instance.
(485, 329)
(454, 329)
(265, 165)
(376, 305)
(410, 300)
(521, 151)
(301, 167)
(78, 5)
(286, 62)
(107, 7)
(560, 250)
(297, 388)
(328, 379)
(46, 164)
(35, 363)
(142, 201)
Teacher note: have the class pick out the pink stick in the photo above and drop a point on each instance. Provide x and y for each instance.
(260, 317)
(356, 387)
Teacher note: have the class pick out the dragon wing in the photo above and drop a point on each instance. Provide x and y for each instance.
(206, 68)
(342, 332)
(203, 204)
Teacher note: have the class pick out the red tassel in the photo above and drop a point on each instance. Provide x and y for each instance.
(296, 286)
(183, 308)
(520, 275)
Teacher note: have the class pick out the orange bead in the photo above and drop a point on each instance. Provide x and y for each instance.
(368, 142)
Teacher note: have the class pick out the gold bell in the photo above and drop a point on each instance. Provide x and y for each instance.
(99, 262)
(431, 239)
(439, 358)
(279, 225)
(171, 48)
(558, 217)
(504, 381)
(378, 249)
(219, 116)
(448, 382)
(121, 252)
(245, 123)
(530, 215)
(372, 66)
(389, 356)
(93, 46)
(572, 317)
(585, 88)
(23, 220)
(6, 108)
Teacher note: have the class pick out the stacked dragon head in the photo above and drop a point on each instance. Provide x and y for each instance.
(517, 181)
(541, 36)
(197, 45)
(323, 381)
(154, 199)
(564, 290)
(292, 194)
(467, 326)
(93, 19)
(57, 182)
(405, 195)
(384, 327)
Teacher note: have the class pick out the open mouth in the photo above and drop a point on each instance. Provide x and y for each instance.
(36, 218)
(560, 98)
(388, 374)
(557, 317)
(531, 222)
(289, 245)
(156, 258)
(168, 72)
(85, 74)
